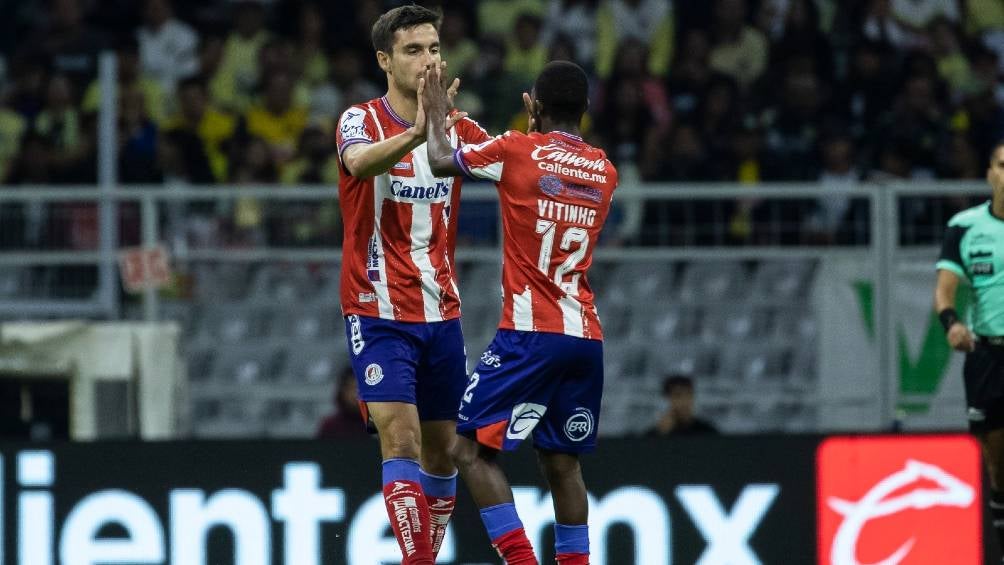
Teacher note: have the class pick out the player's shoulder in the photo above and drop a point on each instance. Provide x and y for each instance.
(970, 216)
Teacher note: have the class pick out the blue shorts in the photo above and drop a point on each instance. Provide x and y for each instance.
(532, 383)
(424, 364)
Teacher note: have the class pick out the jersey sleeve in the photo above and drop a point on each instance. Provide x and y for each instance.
(483, 160)
(471, 132)
(951, 251)
(354, 126)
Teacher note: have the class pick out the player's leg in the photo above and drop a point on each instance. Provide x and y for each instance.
(571, 507)
(489, 487)
(384, 361)
(442, 376)
(568, 429)
(504, 400)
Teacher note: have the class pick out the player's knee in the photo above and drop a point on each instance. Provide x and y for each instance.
(558, 467)
(400, 443)
(464, 453)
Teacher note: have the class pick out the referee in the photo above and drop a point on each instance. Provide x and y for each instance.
(974, 250)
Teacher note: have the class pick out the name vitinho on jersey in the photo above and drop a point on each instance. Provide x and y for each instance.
(571, 213)
(556, 159)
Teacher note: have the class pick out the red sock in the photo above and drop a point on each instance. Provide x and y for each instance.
(572, 558)
(440, 510)
(409, 518)
(515, 548)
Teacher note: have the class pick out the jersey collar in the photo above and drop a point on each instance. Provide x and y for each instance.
(568, 135)
(393, 114)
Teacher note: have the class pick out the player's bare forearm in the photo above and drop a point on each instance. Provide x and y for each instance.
(436, 105)
(369, 160)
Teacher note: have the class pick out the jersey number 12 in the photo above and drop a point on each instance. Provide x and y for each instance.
(572, 235)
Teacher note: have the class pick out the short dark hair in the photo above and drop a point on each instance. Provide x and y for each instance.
(402, 17)
(676, 381)
(563, 90)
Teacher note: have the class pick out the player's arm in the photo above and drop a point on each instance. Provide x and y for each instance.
(950, 272)
(363, 160)
(433, 101)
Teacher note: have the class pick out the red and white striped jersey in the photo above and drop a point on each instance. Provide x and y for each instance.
(554, 193)
(400, 228)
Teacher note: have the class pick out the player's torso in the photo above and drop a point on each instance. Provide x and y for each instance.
(398, 248)
(982, 252)
(555, 194)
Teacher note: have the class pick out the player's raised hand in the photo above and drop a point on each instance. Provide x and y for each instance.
(418, 129)
(960, 338)
(531, 115)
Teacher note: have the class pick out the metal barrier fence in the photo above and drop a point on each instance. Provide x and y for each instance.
(59, 246)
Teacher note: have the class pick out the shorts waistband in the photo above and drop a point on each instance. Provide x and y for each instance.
(995, 340)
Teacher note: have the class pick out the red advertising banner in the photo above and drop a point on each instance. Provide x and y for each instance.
(899, 500)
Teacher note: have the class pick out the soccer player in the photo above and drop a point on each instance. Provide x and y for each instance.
(542, 375)
(398, 287)
(972, 251)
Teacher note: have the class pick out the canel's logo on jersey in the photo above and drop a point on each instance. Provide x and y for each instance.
(406, 190)
(899, 501)
(524, 419)
(579, 425)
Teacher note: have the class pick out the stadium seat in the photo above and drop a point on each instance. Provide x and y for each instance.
(248, 364)
(782, 281)
(310, 324)
(711, 281)
(316, 362)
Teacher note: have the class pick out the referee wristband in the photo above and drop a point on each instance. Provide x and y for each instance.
(948, 317)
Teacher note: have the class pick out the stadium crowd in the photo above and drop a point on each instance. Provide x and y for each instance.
(743, 91)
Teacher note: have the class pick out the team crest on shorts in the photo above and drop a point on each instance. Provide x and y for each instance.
(374, 374)
(579, 425)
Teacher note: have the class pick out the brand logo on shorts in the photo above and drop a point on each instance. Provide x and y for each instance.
(374, 374)
(579, 425)
(524, 418)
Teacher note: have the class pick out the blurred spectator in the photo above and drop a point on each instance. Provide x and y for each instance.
(918, 15)
(315, 161)
(347, 85)
(498, 17)
(802, 38)
(459, 49)
(574, 20)
(952, 64)
(66, 136)
(498, 92)
(792, 127)
(13, 127)
(718, 115)
(916, 124)
(677, 418)
(29, 77)
(313, 222)
(738, 50)
(648, 21)
(251, 165)
(278, 56)
(235, 79)
(830, 211)
(686, 156)
(526, 55)
(200, 133)
(691, 74)
(346, 421)
(277, 120)
(168, 47)
(137, 139)
(864, 97)
(311, 51)
(130, 77)
(68, 46)
(876, 22)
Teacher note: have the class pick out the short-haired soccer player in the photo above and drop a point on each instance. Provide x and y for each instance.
(398, 287)
(542, 375)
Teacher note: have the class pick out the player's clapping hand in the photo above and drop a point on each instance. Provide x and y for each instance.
(533, 120)
(435, 98)
(960, 338)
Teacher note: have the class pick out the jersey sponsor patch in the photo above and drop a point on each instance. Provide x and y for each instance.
(983, 268)
(374, 374)
(524, 419)
(579, 425)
